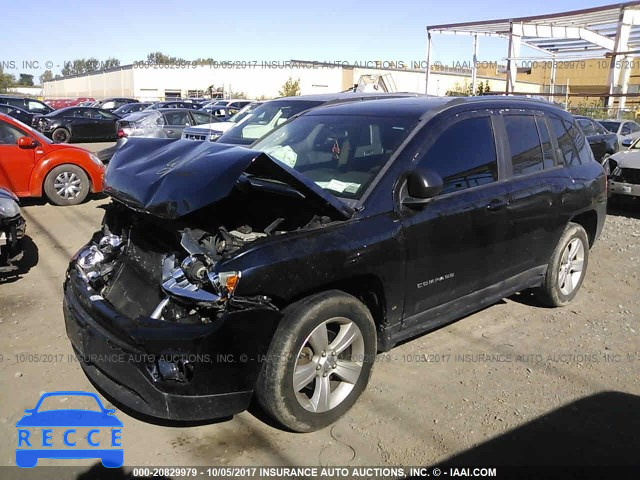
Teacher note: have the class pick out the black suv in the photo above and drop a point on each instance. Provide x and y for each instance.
(280, 271)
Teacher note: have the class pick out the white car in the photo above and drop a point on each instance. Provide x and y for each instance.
(211, 131)
(624, 179)
(627, 130)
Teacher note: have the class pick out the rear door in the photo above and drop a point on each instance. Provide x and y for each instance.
(536, 215)
(597, 142)
(105, 124)
(456, 242)
(175, 123)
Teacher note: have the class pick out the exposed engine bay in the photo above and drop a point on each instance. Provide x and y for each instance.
(167, 269)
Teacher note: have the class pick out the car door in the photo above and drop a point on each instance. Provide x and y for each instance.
(536, 214)
(81, 122)
(105, 124)
(175, 123)
(455, 243)
(634, 130)
(596, 141)
(16, 163)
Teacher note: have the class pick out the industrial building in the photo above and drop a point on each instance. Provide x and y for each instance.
(259, 80)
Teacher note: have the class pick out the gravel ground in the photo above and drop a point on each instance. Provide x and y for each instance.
(514, 383)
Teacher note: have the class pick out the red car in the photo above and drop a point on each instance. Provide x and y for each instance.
(32, 166)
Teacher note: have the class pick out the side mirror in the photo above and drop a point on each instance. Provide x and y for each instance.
(422, 185)
(627, 142)
(27, 142)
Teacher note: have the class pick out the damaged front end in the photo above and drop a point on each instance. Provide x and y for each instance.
(153, 306)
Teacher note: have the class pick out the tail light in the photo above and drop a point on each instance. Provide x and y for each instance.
(121, 133)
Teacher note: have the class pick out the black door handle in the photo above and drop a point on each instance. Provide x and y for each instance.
(496, 204)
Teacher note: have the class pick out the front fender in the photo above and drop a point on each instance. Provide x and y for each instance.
(63, 156)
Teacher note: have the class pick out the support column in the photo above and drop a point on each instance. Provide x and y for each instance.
(552, 86)
(512, 66)
(428, 69)
(620, 45)
(474, 68)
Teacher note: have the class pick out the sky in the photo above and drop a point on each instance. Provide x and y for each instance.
(251, 30)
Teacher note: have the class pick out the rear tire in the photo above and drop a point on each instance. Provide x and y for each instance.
(319, 361)
(567, 268)
(66, 185)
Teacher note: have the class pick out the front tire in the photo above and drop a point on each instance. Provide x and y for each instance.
(61, 135)
(567, 267)
(319, 361)
(66, 185)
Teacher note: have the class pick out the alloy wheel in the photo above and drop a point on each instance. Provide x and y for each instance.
(328, 365)
(67, 185)
(571, 266)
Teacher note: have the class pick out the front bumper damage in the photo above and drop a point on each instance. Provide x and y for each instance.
(197, 368)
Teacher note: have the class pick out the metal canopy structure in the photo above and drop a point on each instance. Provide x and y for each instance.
(610, 31)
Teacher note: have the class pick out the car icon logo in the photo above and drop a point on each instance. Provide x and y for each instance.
(64, 424)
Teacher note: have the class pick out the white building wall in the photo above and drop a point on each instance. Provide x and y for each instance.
(151, 83)
(115, 83)
(259, 82)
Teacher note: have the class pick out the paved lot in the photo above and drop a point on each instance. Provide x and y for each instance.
(512, 383)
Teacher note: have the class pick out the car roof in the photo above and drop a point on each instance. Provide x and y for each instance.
(13, 107)
(171, 110)
(420, 105)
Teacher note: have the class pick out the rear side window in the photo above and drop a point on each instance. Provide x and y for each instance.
(585, 153)
(567, 150)
(524, 142)
(464, 155)
(587, 126)
(547, 146)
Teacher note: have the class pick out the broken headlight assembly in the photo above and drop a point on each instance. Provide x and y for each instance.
(193, 281)
(8, 208)
(98, 261)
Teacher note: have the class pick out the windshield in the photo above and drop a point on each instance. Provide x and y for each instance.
(265, 118)
(611, 126)
(244, 113)
(341, 153)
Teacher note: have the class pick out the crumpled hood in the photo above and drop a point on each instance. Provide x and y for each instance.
(627, 158)
(172, 178)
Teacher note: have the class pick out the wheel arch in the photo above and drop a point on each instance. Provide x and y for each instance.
(589, 221)
(367, 288)
(44, 167)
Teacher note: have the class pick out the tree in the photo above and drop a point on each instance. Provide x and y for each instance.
(160, 58)
(82, 65)
(291, 88)
(111, 63)
(25, 80)
(47, 76)
(458, 90)
(6, 80)
(91, 65)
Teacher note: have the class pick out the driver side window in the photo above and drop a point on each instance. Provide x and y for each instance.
(9, 135)
(464, 155)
